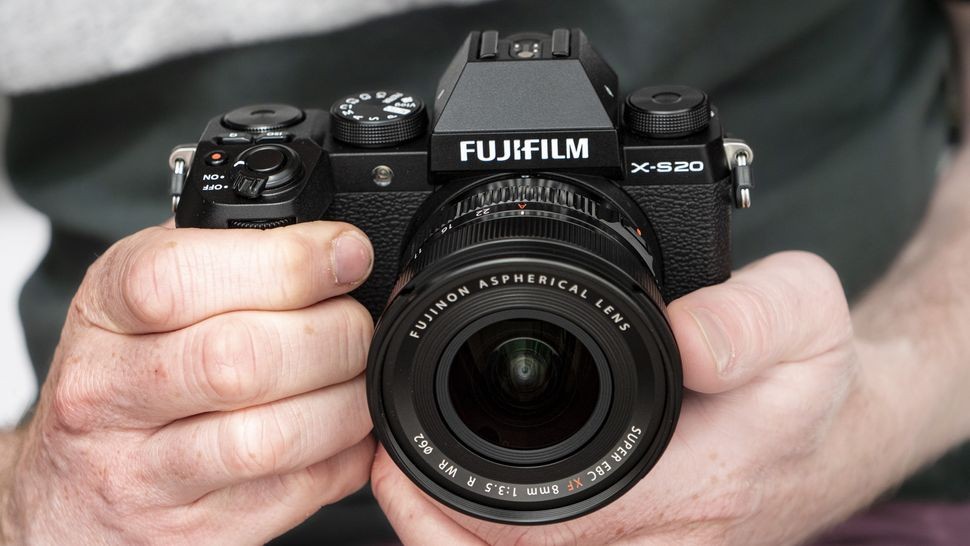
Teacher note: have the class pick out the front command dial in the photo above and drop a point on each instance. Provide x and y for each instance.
(377, 119)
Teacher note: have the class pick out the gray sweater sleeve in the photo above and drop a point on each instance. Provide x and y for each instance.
(52, 43)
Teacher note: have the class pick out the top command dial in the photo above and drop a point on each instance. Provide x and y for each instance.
(378, 119)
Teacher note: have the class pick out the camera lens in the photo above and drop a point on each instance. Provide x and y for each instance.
(522, 391)
(523, 370)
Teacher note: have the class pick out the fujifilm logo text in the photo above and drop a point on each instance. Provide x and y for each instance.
(524, 149)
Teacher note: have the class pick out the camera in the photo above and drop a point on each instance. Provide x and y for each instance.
(528, 228)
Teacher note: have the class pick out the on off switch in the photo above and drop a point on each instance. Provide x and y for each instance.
(249, 186)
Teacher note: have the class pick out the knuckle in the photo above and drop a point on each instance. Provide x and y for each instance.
(330, 480)
(254, 445)
(353, 328)
(821, 278)
(152, 290)
(223, 360)
(382, 479)
(89, 302)
(820, 293)
(294, 257)
(810, 262)
(754, 317)
(352, 419)
(72, 409)
(359, 408)
(296, 486)
(118, 493)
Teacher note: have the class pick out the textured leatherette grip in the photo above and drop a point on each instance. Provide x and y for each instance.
(693, 224)
(384, 217)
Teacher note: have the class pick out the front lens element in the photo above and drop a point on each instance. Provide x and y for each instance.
(523, 384)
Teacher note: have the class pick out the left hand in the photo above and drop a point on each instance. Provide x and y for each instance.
(783, 434)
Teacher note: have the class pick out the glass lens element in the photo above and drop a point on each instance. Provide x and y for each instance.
(523, 384)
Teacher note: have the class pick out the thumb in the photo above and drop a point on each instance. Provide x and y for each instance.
(416, 518)
(787, 307)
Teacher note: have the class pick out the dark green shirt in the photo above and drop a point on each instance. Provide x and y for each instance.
(843, 102)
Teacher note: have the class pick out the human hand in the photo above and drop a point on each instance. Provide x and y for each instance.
(207, 389)
(784, 432)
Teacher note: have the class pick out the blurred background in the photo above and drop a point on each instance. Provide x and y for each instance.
(24, 236)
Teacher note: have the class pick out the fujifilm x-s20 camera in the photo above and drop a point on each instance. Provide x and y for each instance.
(528, 230)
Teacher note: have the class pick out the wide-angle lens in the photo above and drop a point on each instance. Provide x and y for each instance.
(524, 370)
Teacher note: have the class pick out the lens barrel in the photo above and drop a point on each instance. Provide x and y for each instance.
(524, 370)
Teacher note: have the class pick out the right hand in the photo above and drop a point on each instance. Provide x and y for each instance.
(207, 389)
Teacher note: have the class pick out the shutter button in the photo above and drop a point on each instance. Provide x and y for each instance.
(266, 160)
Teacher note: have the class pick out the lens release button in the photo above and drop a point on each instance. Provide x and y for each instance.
(266, 160)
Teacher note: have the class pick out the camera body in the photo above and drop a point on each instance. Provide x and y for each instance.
(528, 231)
(559, 112)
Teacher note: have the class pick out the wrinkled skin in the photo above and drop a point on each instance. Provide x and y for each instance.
(207, 389)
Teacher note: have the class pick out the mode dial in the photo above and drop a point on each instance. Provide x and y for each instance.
(378, 119)
(667, 111)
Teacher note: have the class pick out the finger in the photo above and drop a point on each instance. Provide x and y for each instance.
(227, 362)
(276, 504)
(415, 518)
(162, 279)
(190, 458)
(243, 359)
(787, 307)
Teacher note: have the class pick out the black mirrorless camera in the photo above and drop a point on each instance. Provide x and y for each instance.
(528, 231)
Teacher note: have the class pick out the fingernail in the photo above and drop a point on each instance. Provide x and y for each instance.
(715, 335)
(352, 258)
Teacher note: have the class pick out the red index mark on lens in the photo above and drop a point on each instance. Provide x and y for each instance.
(521, 206)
